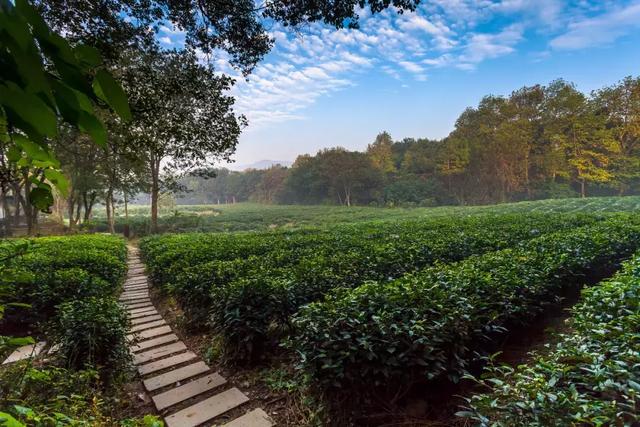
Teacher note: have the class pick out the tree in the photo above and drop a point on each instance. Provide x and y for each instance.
(350, 175)
(239, 27)
(182, 118)
(35, 100)
(620, 104)
(381, 154)
(271, 184)
(575, 127)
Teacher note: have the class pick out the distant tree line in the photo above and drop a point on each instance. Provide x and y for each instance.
(539, 142)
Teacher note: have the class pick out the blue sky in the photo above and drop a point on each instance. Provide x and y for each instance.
(413, 74)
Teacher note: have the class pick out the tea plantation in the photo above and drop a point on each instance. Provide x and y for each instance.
(333, 317)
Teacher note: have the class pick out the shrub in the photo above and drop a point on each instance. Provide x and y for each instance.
(437, 322)
(246, 318)
(52, 396)
(60, 269)
(92, 334)
(590, 377)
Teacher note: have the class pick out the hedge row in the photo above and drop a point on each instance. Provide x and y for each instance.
(258, 281)
(59, 269)
(590, 377)
(435, 323)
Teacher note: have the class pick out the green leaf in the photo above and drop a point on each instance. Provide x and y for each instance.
(7, 420)
(29, 110)
(18, 342)
(32, 150)
(41, 198)
(17, 29)
(57, 179)
(90, 124)
(88, 55)
(106, 87)
(27, 11)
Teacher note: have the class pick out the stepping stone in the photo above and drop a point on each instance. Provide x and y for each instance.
(139, 306)
(187, 391)
(148, 325)
(161, 364)
(255, 418)
(176, 375)
(147, 312)
(151, 333)
(136, 280)
(159, 352)
(147, 319)
(133, 295)
(135, 287)
(25, 352)
(207, 409)
(154, 342)
(137, 300)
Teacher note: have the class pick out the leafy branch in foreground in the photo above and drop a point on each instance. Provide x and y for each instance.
(44, 81)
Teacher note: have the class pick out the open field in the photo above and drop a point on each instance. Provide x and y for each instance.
(250, 216)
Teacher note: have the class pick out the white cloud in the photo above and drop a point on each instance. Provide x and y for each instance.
(483, 46)
(599, 30)
(166, 40)
(318, 61)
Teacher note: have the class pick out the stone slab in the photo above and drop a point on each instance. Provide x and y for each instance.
(25, 352)
(146, 319)
(254, 418)
(187, 391)
(139, 306)
(207, 409)
(175, 376)
(151, 333)
(147, 312)
(154, 342)
(165, 363)
(159, 352)
(148, 325)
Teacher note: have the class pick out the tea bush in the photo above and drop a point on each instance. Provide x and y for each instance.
(435, 323)
(590, 377)
(253, 283)
(59, 269)
(91, 333)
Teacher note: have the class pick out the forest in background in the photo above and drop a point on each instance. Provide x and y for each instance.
(539, 142)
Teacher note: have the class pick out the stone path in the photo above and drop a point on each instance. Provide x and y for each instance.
(183, 388)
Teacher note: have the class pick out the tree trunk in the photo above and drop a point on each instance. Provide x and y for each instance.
(583, 192)
(155, 193)
(110, 211)
(126, 208)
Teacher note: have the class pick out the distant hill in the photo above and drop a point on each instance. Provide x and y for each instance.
(262, 164)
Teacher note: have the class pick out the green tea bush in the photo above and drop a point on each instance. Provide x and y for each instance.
(434, 324)
(252, 283)
(590, 377)
(92, 334)
(59, 269)
(248, 318)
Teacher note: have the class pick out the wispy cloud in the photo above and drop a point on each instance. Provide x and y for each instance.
(601, 29)
(457, 34)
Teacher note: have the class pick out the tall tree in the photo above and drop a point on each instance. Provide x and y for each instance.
(183, 120)
(620, 104)
(381, 154)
